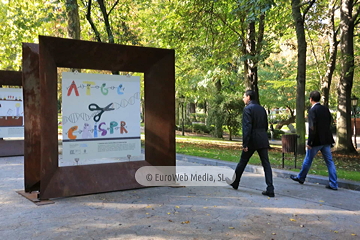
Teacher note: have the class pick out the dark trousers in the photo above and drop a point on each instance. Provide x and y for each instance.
(244, 159)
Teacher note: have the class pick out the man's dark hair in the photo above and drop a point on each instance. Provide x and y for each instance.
(315, 96)
(251, 93)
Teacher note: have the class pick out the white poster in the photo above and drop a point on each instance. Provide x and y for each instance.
(101, 117)
(11, 113)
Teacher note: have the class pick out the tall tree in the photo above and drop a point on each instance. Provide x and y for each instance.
(349, 17)
(299, 19)
(332, 33)
(73, 21)
(72, 13)
(248, 25)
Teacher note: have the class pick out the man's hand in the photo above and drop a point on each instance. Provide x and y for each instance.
(245, 149)
(308, 147)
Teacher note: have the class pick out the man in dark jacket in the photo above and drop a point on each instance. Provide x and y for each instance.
(255, 138)
(320, 139)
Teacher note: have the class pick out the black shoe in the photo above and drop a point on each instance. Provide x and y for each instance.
(295, 178)
(329, 187)
(228, 181)
(270, 194)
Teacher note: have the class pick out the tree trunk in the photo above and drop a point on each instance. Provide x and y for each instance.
(250, 64)
(72, 12)
(333, 43)
(343, 126)
(73, 27)
(107, 24)
(219, 119)
(301, 74)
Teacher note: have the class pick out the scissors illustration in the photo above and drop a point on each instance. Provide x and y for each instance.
(95, 107)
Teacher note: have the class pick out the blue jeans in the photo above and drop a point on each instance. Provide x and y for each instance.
(310, 154)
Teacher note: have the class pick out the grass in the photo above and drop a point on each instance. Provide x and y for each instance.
(348, 166)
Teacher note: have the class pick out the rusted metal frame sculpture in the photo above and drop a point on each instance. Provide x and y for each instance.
(11, 147)
(158, 66)
(32, 130)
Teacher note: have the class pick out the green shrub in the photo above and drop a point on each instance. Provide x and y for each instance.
(277, 133)
(201, 128)
(198, 117)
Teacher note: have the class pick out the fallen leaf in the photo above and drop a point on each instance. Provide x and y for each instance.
(185, 222)
(231, 228)
(273, 233)
(169, 213)
(177, 206)
(336, 232)
(353, 234)
(148, 206)
(321, 201)
(170, 220)
(293, 220)
(205, 207)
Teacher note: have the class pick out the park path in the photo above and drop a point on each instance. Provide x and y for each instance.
(308, 211)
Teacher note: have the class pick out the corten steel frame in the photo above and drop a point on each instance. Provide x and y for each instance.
(11, 147)
(31, 93)
(158, 66)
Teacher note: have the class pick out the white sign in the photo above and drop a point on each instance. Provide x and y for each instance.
(101, 116)
(11, 113)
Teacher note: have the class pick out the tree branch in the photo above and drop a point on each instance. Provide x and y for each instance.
(355, 17)
(106, 21)
(93, 27)
(260, 39)
(224, 22)
(112, 8)
(308, 8)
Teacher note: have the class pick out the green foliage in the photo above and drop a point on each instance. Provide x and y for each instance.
(278, 81)
(216, 116)
(201, 128)
(22, 21)
(208, 38)
(276, 134)
(233, 108)
(198, 117)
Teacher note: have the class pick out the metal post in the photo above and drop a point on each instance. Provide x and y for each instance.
(182, 119)
(354, 103)
(355, 128)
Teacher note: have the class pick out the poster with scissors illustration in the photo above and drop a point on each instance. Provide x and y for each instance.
(11, 113)
(101, 116)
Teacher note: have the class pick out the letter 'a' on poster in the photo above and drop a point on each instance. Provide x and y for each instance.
(11, 113)
(100, 118)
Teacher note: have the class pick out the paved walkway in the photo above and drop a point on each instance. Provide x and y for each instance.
(308, 211)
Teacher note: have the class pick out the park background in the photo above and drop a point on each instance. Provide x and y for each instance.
(281, 49)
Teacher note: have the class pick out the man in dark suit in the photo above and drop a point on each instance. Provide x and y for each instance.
(320, 139)
(255, 138)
